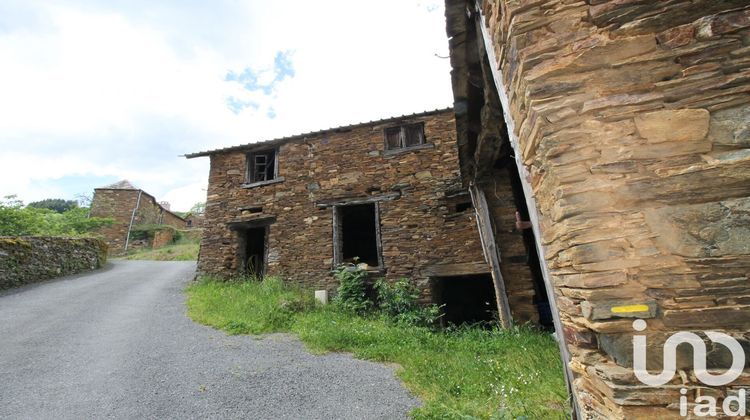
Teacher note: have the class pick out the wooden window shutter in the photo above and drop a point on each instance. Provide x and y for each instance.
(393, 138)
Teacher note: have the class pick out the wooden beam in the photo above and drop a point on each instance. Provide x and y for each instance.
(332, 202)
(460, 269)
(336, 237)
(252, 223)
(491, 254)
(378, 236)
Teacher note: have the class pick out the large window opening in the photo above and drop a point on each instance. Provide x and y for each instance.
(252, 251)
(261, 166)
(358, 237)
(466, 299)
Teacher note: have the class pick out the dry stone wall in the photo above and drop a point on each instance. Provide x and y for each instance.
(26, 260)
(420, 229)
(632, 121)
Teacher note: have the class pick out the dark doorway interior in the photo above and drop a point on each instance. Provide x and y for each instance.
(359, 239)
(253, 251)
(467, 299)
(541, 299)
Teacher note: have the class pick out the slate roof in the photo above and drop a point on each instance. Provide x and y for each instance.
(120, 185)
(282, 140)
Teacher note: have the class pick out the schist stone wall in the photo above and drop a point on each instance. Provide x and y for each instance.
(630, 122)
(26, 260)
(424, 230)
(118, 204)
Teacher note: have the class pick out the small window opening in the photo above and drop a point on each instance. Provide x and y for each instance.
(261, 166)
(463, 206)
(467, 299)
(404, 136)
(253, 251)
(358, 234)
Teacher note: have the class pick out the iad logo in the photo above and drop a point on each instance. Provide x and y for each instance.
(704, 405)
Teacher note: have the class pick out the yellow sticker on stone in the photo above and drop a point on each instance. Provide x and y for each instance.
(629, 309)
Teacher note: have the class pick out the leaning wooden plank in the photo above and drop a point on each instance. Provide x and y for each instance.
(491, 254)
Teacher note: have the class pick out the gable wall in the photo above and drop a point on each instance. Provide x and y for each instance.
(118, 204)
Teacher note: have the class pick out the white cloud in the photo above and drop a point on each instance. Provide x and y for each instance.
(103, 91)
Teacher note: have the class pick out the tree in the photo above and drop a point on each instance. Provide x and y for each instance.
(198, 208)
(59, 205)
(84, 199)
(17, 220)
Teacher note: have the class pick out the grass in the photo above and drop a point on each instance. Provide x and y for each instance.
(458, 373)
(183, 250)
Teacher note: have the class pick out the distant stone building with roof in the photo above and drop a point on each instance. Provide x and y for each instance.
(129, 206)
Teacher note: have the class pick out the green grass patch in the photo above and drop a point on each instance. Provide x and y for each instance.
(458, 373)
(183, 250)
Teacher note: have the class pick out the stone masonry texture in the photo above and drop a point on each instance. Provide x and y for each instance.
(26, 260)
(420, 229)
(118, 204)
(631, 120)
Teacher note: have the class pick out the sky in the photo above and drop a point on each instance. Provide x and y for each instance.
(93, 92)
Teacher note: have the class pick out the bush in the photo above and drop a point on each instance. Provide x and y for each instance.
(76, 221)
(352, 291)
(399, 302)
(17, 220)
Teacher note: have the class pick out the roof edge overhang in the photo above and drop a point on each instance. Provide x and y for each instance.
(301, 137)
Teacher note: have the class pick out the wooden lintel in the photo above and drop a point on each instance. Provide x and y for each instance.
(252, 223)
(357, 200)
(460, 269)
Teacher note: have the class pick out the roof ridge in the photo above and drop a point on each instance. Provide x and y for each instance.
(120, 185)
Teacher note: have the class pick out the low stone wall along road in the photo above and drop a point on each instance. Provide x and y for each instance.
(117, 343)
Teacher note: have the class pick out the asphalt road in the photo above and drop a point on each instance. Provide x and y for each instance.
(117, 344)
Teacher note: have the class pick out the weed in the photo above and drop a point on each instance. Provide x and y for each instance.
(399, 302)
(352, 292)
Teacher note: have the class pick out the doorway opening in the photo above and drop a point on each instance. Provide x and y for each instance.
(466, 299)
(252, 251)
(358, 234)
(541, 298)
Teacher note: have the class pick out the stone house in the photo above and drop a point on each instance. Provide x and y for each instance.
(387, 192)
(623, 128)
(195, 220)
(130, 206)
